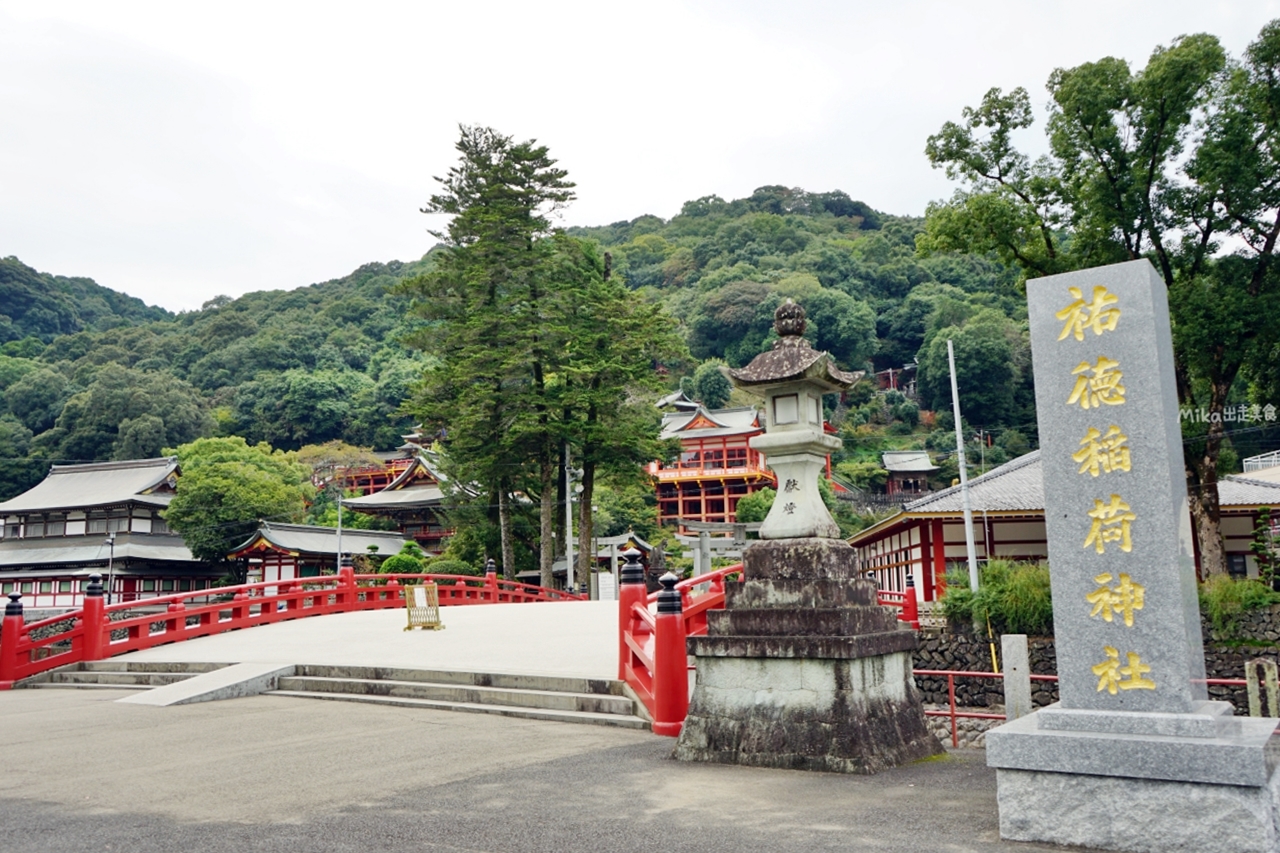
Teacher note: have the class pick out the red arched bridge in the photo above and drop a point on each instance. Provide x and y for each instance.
(652, 627)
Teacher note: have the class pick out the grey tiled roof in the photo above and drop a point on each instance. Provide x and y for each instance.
(307, 539)
(1014, 486)
(1018, 485)
(96, 484)
(406, 498)
(904, 461)
(732, 422)
(92, 550)
(1237, 490)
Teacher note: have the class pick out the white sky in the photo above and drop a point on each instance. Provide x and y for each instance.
(177, 151)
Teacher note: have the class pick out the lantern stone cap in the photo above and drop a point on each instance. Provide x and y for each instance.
(792, 359)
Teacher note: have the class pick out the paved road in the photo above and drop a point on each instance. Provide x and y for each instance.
(80, 772)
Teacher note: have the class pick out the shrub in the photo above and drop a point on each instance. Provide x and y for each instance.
(449, 566)
(1015, 597)
(408, 562)
(1223, 599)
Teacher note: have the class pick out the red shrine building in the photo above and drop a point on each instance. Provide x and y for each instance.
(281, 552)
(413, 502)
(716, 467)
(927, 536)
(101, 518)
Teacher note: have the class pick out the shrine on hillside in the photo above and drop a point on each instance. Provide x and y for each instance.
(716, 468)
(408, 490)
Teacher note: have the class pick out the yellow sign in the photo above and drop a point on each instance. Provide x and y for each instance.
(1112, 676)
(1110, 524)
(1096, 314)
(1103, 453)
(1101, 388)
(1122, 599)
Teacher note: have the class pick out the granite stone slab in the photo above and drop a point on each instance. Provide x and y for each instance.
(1126, 617)
(1138, 815)
(1246, 757)
(1206, 720)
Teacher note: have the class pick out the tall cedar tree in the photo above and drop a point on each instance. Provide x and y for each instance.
(538, 350)
(479, 295)
(1171, 163)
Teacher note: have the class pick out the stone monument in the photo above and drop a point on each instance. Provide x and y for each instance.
(802, 669)
(1133, 757)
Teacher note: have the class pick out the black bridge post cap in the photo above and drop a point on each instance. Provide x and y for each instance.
(93, 589)
(632, 571)
(14, 607)
(669, 599)
(491, 566)
(911, 580)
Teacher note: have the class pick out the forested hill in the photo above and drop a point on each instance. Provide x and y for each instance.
(287, 367)
(89, 374)
(42, 306)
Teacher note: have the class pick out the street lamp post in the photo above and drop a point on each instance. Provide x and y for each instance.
(571, 475)
(111, 565)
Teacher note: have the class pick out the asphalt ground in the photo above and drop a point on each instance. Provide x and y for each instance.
(81, 772)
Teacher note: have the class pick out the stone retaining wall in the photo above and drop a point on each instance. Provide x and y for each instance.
(1256, 635)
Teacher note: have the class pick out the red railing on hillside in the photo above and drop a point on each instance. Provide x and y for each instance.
(99, 631)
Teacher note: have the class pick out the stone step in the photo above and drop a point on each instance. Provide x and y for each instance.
(126, 665)
(631, 722)
(69, 685)
(466, 694)
(141, 679)
(120, 673)
(561, 684)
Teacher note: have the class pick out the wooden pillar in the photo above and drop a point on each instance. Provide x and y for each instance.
(939, 559)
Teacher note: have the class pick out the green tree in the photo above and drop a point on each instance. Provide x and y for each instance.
(1176, 163)
(485, 281)
(710, 386)
(754, 507)
(410, 561)
(227, 487)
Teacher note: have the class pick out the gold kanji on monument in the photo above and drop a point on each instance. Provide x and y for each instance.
(1119, 600)
(1112, 676)
(1110, 524)
(1097, 384)
(1103, 453)
(1098, 314)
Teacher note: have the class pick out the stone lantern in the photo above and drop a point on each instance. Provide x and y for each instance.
(792, 377)
(802, 668)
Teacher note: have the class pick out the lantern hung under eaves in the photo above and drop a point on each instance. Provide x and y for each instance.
(792, 377)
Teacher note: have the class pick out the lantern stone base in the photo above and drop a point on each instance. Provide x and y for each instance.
(804, 670)
(1139, 782)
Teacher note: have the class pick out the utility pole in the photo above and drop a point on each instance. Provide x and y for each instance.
(970, 550)
(570, 475)
(111, 564)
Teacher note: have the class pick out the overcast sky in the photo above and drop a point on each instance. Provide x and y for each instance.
(178, 151)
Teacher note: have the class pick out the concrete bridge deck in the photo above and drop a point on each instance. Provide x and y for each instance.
(569, 638)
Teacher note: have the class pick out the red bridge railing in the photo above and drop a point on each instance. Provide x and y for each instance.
(99, 631)
(651, 649)
(652, 658)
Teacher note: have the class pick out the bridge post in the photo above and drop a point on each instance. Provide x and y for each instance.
(9, 636)
(670, 661)
(346, 585)
(910, 606)
(630, 592)
(491, 579)
(94, 616)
